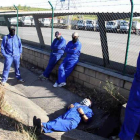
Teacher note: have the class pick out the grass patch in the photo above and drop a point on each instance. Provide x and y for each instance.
(10, 120)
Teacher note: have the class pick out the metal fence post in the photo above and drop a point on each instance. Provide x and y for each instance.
(52, 21)
(129, 34)
(17, 19)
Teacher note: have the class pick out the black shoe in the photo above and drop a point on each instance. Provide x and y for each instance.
(21, 80)
(34, 121)
(37, 125)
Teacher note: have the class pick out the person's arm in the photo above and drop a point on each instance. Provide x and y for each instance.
(3, 44)
(52, 45)
(61, 45)
(20, 45)
(83, 115)
(74, 50)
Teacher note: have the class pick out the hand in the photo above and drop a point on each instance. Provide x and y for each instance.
(80, 110)
(71, 106)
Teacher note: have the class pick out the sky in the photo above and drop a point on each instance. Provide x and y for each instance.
(78, 4)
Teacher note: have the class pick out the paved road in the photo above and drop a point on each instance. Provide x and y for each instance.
(90, 40)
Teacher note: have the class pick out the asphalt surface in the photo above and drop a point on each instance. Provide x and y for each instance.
(91, 44)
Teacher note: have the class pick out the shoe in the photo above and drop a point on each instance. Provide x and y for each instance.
(34, 121)
(21, 80)
(37, 125)
(55, 85)
(114, 138)
(42, 77)
(62, 84)
(2, 83)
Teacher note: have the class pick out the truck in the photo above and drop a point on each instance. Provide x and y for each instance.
(81, 24)
(91, 24)
(136, 27)
(124, 27)
(26, 21)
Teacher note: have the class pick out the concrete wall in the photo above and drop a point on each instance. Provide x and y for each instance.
(89, 76)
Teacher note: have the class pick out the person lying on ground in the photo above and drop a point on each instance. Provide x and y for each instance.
(76, 113)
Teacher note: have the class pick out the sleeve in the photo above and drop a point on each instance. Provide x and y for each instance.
(67, 47)
(52, 46)
(61, 45)
(74, 51)
(20, 45)
(3, 44)
(89, 114)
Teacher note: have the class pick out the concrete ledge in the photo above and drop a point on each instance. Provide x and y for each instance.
(80, 135)
(23, 106)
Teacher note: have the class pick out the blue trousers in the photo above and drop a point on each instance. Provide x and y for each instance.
(59, 124)
(54, 58)
(7, 64)
(131, 124)
(66, 68)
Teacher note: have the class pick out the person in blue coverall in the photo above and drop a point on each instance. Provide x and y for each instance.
(68, 121)
(73, 50)
(131, 124)
(58, 46)
(11, 48)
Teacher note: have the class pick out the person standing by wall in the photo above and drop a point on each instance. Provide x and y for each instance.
(11, 49)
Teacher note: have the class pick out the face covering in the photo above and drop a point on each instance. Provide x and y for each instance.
(12, 32)
(86, 102)
(74, 39)
(58, 37)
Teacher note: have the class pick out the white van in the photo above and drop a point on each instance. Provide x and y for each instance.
(81, 24)
(26, 21)
(136, 27)
(45, 22)
(13, 21)
(124, 27)
(91, 24)
(112, 26)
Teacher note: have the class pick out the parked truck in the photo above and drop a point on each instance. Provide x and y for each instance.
(91, 24)
(136, 27)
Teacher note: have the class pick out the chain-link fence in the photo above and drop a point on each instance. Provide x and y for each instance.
(103, 36)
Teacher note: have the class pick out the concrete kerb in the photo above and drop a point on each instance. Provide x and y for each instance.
(24, 107)
(80, 135)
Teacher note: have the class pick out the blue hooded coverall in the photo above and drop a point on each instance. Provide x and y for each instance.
(73, 52)
(131, 124)
(11, 48)
(58, 46)
(69, 120)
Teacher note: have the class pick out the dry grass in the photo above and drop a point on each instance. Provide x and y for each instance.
(2, 102)
(29, 133)
(13, 119)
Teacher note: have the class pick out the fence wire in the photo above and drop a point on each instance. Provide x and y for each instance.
(89, 32)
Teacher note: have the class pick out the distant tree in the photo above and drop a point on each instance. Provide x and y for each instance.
(25, 7)
(19, 7)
